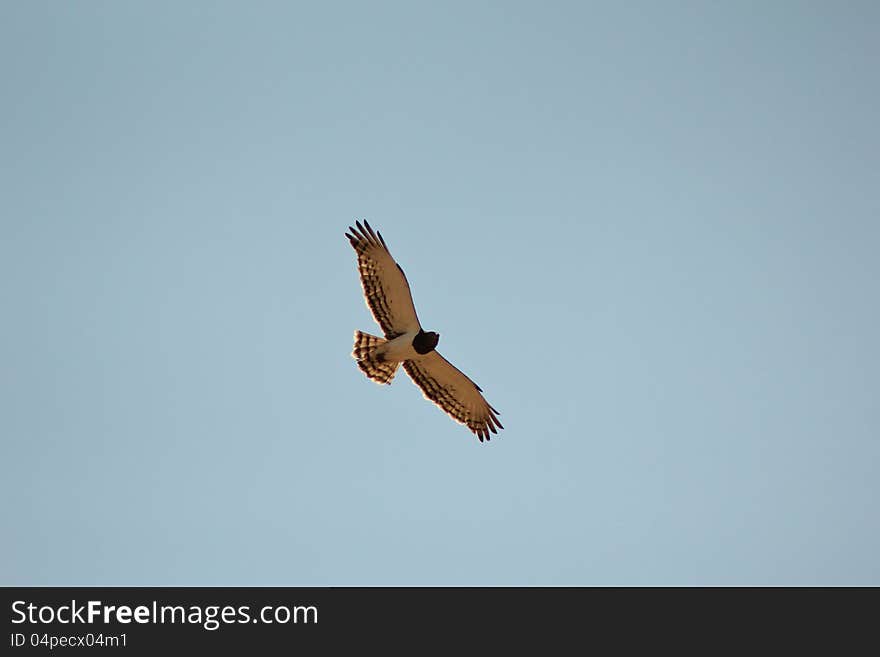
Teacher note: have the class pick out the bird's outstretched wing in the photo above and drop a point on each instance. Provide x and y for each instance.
(455, 393)
(386, 289)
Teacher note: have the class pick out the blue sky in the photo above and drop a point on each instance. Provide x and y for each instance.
(649, 231)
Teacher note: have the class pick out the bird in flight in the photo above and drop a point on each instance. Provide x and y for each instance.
(388, 297)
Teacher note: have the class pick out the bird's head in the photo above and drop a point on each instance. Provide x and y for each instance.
(425, 341)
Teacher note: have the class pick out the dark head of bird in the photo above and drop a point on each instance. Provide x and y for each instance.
(425, 341)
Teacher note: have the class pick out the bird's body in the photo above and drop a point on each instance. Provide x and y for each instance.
(388, 296)
(399, 349)
(409, 346)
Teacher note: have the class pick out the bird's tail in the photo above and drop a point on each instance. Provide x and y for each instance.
(365, 353)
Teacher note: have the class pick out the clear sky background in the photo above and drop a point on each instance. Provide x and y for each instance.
(650, 231)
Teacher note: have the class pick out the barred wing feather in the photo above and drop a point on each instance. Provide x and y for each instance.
(386, 289)
(449, 388)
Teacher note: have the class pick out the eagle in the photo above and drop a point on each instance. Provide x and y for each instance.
(388, 297)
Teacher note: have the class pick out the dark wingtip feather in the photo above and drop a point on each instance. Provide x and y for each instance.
(371, 231)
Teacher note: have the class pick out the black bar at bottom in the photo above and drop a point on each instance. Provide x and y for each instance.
(178, 618)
